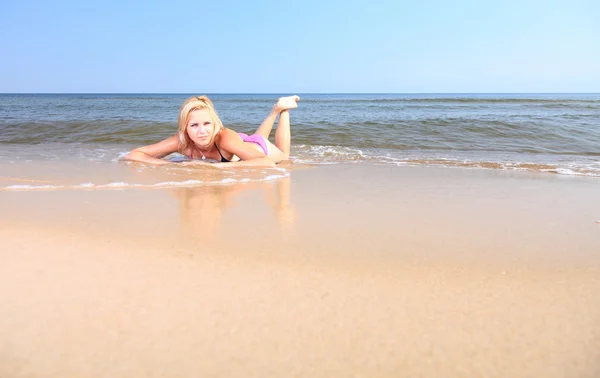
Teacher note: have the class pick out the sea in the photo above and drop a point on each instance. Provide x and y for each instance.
(547, 133)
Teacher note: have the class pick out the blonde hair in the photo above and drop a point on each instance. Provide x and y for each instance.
(190, 105)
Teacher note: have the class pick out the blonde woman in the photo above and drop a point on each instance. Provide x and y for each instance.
(201, 135)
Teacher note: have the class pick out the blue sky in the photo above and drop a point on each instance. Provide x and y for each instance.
(428, 46)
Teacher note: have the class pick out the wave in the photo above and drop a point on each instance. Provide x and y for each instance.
(324, 155)
(93, 131)
(507, 165)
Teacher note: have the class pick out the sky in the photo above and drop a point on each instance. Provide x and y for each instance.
(368, 46)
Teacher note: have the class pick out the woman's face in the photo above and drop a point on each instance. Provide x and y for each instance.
(200, 127)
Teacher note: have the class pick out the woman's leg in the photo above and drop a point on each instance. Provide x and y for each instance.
(281, 149)
(284, 103)
(265, 128)
(283, 134)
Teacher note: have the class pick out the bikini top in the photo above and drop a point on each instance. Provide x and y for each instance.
(223, 160)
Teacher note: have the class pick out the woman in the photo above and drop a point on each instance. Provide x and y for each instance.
(201, 135)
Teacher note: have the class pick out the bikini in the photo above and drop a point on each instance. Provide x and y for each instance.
(223, 160)
(257, 139)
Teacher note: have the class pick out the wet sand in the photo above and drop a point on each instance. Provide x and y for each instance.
(334, 271)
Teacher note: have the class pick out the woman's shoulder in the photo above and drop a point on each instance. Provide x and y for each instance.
(226, 136)
(228, 132)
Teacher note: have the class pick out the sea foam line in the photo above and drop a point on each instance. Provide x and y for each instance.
(125, 185)
(500, 165)
(327, 155)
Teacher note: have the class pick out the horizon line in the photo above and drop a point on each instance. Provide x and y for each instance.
(279, 93)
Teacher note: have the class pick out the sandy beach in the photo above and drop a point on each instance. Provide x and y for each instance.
(334, 271)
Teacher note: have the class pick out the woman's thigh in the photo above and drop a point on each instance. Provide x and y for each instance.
(275, 153)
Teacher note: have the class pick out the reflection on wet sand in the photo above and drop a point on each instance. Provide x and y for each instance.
(201, 209)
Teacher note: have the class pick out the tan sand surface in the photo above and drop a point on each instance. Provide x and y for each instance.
(335, 271)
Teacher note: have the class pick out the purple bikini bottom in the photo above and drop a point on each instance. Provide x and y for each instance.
(256, 139)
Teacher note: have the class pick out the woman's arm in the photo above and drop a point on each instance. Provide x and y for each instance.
(154, 153)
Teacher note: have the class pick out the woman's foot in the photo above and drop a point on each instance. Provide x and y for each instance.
(285, 103)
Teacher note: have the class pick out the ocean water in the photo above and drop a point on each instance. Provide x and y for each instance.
(554, 133)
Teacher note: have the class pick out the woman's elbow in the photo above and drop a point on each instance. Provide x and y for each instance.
(130, 156)
(134, 155)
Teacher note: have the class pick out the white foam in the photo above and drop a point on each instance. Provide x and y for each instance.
(174, 183)
(125, 185)
(115, 185)
(32, 187)
(328, 155)
(273, 177)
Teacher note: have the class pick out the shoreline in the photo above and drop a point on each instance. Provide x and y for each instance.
(332, 271)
